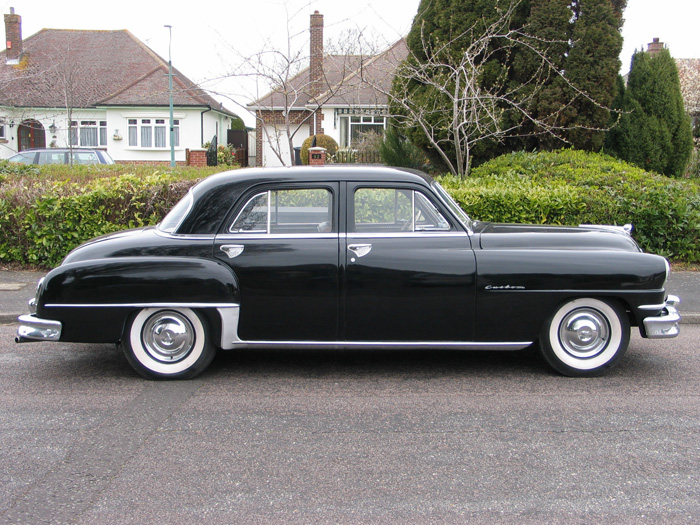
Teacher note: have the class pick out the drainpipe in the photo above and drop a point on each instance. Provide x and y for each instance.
(201, 126)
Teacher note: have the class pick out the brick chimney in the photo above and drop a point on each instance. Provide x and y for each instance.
(316, 67)
(655, 47)
(13, 36)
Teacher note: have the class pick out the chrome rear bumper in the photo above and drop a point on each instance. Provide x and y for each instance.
(665, 325)
(32, 328)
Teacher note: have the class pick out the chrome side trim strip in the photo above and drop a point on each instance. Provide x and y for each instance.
(384, 345)
(145, 305)
(671, 300)
(259, 236)
(420, 234)
(185, 236)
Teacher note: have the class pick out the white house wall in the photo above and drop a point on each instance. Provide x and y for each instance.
(196, 127)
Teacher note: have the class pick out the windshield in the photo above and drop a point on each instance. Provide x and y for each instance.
(453, 206)
(173, 219)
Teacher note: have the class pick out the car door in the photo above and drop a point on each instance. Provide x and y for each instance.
(283, 245)
(410, 269)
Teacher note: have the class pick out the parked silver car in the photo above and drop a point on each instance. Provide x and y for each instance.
(62, 156)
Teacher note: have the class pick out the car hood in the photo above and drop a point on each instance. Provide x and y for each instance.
(493, 236)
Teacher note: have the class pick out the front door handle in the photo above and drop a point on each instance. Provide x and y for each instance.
(232, 250)
(360, 250)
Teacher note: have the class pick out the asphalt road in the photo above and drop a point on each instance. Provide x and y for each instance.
(349, 437)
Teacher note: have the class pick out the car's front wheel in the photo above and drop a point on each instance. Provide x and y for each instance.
(585, 337)
(170, 343)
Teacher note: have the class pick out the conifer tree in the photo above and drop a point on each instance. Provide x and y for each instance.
(592, 65)
(654, 131)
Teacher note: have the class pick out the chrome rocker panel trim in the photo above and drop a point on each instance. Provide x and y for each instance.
(32, 328)
(667, 324)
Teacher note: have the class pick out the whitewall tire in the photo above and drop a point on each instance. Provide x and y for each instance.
(585, 337)
(162, 343)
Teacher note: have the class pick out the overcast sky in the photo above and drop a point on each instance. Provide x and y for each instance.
(204, 33)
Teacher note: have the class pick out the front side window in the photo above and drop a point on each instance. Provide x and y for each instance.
(388, 210)
(288, 211)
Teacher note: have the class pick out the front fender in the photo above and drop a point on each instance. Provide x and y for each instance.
(93, 298)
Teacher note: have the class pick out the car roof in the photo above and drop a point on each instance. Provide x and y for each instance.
(34, 150)
(327, 173)
(207, 212)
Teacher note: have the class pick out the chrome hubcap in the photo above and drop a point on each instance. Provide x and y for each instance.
(584, 333)
(168, 336)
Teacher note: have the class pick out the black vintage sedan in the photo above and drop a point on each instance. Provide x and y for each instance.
(333, 257)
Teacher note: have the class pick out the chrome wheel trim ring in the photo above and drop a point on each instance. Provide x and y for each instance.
(168, 336)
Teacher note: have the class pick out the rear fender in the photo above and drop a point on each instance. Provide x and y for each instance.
(94, 298)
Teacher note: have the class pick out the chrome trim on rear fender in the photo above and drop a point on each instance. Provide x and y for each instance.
(32, 328)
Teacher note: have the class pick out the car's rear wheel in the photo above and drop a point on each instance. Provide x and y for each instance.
(168, 343)
(585, 337)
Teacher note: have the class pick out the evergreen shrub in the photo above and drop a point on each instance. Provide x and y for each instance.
(574, 187)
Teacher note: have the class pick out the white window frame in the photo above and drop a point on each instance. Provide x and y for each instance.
(79, 135)
(151, 132)
(348, 122)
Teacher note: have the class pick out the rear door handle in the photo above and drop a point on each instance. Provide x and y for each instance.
(360, 250)
(232, 250)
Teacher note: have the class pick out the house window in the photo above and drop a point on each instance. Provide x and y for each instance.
(152, 133)
(2, 131)
(353, 126)
(88, 133)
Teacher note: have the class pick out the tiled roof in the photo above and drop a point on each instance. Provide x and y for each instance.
(92, 68)
(689, 76)
(349, 80)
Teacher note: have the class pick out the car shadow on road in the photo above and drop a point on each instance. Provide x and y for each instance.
(309, 362)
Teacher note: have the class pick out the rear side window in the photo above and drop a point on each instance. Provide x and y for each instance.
(24, 158)
(85, 157)
(173, 219)
(288, 211)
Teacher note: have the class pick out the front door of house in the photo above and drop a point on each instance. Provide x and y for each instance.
(31, 135)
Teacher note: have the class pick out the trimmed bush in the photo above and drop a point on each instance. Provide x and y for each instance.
(574, 187)
(41, 221)
(322, 141)
(43, 216)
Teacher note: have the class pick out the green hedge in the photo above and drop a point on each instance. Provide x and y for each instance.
(574, 187)
(46, 213)
(41, 220)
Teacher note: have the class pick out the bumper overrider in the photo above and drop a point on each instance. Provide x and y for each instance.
(667, 323)
(33, 328)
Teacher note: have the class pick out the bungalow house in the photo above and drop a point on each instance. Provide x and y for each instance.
(99, 89)
(337, 95)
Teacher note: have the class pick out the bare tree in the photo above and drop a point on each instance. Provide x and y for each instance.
(289, 90)
(463, 111)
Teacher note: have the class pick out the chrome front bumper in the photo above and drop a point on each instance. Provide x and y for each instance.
(667, 323)
(32, 328)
